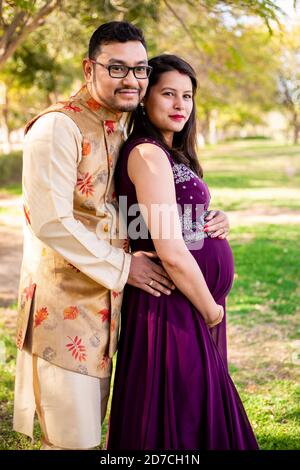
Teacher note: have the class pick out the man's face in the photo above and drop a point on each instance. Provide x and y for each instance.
(117, 94)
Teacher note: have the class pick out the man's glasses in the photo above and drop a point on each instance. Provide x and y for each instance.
(121, 71)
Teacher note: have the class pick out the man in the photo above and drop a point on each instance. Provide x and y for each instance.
(74, 267)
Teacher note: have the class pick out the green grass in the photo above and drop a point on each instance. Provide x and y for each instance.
(267, 261)
(263, 306)
(274, 410)
(8, 438)
(10, 189)
(251, 175)
(264, 326)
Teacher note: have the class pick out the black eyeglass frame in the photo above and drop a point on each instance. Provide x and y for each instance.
(126, 67)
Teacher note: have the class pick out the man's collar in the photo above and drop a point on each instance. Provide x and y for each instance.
(104, 114)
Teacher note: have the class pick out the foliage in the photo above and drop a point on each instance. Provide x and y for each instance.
(43, 43)
(19, 18)
(10, 168)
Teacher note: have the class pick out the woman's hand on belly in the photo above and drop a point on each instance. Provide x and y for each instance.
(217, 224)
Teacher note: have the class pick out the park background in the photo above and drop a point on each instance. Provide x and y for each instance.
(247, 58)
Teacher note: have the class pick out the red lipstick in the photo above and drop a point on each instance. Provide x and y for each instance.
(176, 117)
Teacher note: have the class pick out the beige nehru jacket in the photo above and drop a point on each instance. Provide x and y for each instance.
(74, 267)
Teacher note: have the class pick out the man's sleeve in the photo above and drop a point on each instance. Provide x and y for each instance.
(52, 151)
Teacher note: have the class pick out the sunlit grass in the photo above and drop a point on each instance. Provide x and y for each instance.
(274, 412)
(253, 175)
(11, 190)
(267, 266)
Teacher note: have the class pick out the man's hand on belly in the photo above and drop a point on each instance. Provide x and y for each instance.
(149, 276)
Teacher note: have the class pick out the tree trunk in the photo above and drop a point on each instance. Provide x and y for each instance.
(6, 144)
(296, 127)
(209, 126)
(213, 136)
(205, 126)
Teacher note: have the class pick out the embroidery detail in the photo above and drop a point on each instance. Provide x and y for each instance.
(82, 369)
(104, 362)
(85, 185)
(77, 349)
(29, 291)
(102, 176)
(105, 314)
(20, 339)
(93, 104)
(40, 316)
(71, 313)
(192, 231)
(109, 127)
(112, 326)
(51, 324)
(182, 173)
(70, 107)
(88, 204)
(91, 322)
(49, 354)
(115, 294)
(95, 340)
(86, 148)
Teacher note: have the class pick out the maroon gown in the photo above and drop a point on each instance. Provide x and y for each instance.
(172, 389)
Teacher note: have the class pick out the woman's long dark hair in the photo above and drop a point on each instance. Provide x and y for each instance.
(184, 142)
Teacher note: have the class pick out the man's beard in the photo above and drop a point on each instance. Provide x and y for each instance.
(113, 105)
(126, 108)
(118, 107)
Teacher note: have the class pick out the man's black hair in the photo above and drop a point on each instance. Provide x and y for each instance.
(114, 31)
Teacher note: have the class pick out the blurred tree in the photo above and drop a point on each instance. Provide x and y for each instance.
(289, 77)
(19, 18)
(40, 72)
(234, 60)
(41, 62)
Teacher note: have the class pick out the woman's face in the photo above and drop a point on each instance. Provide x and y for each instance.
(170, 103)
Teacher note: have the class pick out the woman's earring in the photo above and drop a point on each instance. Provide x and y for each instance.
(143, 108)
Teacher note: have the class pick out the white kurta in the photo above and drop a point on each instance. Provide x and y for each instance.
(71, 421)
(70, 405)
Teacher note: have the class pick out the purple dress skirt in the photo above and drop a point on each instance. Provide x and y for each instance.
(172, 389)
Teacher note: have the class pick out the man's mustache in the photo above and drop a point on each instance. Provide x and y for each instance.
(127, 89)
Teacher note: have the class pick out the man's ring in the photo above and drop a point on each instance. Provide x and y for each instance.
(150, 283)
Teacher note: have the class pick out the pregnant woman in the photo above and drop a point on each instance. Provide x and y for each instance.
(172, 389)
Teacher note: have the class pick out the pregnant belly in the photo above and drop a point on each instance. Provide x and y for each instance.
(215, 260)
